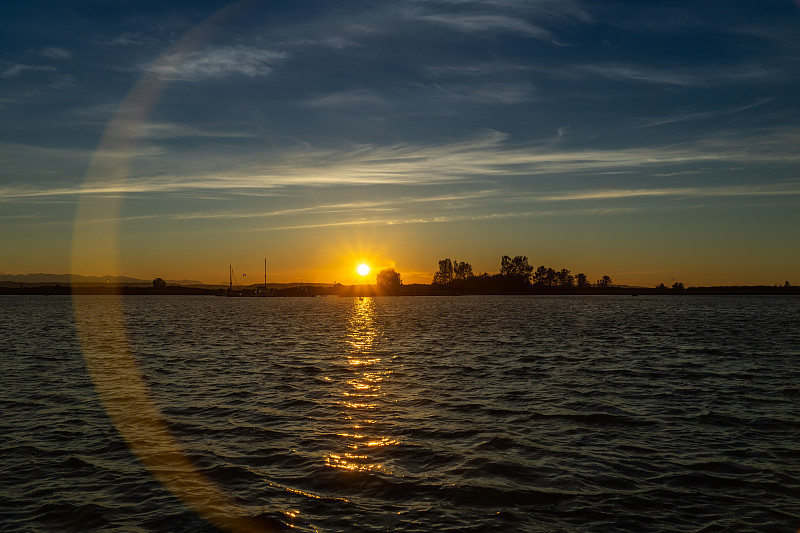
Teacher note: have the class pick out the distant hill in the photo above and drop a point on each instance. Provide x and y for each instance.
(28, 280)
(68, 278)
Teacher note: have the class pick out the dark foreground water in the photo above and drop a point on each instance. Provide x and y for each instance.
(413, 414)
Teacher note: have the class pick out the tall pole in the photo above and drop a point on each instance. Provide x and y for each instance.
(230, 277)
(265, 274)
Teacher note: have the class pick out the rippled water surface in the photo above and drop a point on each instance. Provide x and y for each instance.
(596, 413)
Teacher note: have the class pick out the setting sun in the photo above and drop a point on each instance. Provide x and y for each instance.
(363, 269)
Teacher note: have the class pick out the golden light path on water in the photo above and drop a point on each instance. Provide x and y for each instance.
(359, 403)
(103, 336)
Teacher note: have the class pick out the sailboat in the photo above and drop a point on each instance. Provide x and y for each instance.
(239, 292)
(232, 292)
(263, 292)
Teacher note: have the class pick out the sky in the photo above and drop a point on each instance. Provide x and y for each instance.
(650, 141)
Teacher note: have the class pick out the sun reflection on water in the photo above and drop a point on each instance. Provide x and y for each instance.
(362, 395)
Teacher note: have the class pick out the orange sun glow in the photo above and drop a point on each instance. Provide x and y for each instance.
(363, 269)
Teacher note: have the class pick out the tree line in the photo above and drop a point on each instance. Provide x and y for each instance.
(515, 273)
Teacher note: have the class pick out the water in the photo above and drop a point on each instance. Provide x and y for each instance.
(597, 413)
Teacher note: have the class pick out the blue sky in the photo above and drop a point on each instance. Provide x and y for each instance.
(650, 141)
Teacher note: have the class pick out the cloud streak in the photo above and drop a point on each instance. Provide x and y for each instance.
(501, 17)
(698, 77)
(489, 24)
(217, 63)
(490, 158)
(17, 68)
(353, 98)
(54, 52)
(780, 189)
(704, 115)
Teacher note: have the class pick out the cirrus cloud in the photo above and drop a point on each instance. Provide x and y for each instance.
(217, 63)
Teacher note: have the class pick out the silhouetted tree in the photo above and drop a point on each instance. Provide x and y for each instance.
(581, 280)
(605, 281)
(505, 266)
(517, 268)
(550, 277)
(677, 286)
(445, 273)
(388, 280)
(159, 284)
(522, 268)
(462, 270)
(564, 278)
(540, 276)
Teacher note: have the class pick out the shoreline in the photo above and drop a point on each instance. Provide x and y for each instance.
(403, 290)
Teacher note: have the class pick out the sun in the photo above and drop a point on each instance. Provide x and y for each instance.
(363, 269)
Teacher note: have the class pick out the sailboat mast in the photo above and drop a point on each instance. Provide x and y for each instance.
(230, 277)
(265, 274)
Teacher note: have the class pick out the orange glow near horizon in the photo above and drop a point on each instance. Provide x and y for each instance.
(360, 254)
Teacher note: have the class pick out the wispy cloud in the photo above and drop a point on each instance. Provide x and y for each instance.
(791, 188)
(16, 68)
(502, 16)
(490, 158)
(24, 216)
(395, 204)
(702, 115)
(61, 81)
(217, 63)
(357, 97)
(698, 77)
(438, 219)
(168, 130)
(485, 93)
(314, 218)
(384, 211)
(334, 42)
(350, 208)
(489, 23)
(474, 70)
(55, 52)
(434, 95)
(132, 39)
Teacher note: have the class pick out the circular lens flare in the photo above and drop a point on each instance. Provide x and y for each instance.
(363, 269)
(101, 329)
